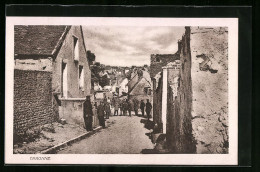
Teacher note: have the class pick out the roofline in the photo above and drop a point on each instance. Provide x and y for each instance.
(148, 81)
(131, 78)
(32, 56)
(55, 51)
(60, 42)
(137, 84)
(84, 45)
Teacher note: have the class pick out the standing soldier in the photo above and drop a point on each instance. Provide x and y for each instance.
(142, 105)
(116, 106)
(105, 98)
(128, 107)
(107, 110)
(121, 104)
(148, 108)
(88, 114)
(136, 106)
(101, 114)
(124, 106)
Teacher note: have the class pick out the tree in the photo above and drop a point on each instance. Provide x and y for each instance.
(103, 80)
(95, 70)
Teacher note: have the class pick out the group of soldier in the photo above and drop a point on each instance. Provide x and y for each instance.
(104, 109)
(126, 106)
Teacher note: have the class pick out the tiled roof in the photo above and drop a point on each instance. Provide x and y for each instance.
(39, 40)
(133, 83)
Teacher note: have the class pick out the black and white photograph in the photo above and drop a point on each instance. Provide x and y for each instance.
(163, 90)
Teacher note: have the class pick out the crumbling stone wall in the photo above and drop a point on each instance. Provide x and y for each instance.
(160, 60)
(210, 89)
(179, 134)
(197, 118)
(157, 101)
(32, 99)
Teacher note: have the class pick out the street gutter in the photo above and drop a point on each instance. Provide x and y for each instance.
(56, 148)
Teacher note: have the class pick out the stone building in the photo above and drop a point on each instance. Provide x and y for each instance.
(158, 61)
(52, 75)
(197, 116)
(139, 87)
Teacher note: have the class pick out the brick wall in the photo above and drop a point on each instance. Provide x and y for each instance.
(32, 99)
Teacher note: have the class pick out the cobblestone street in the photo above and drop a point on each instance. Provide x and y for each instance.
(122, 135)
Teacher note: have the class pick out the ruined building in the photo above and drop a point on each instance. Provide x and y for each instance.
(158, 61)
(190, 95)
(51, 75)
(197, 99)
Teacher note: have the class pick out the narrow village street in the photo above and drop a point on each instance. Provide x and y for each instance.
(59, 100)
(122, 135)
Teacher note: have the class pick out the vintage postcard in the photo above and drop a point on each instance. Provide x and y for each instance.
(141, 91)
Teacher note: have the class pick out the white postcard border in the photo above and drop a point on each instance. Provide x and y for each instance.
(138, 159)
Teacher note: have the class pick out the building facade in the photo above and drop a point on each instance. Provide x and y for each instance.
(158, 61)
(139, 87)
(53, 65)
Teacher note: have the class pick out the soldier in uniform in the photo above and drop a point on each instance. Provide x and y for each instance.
(142, 106)
(107, 110)
(88, 114)
(101, 114)
(129, 107)
(148, 109)
(136, 106)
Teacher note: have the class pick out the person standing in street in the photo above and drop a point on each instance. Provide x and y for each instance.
(105, 99)
(107, 110)
(120, 103)
(88, 114)
(101, 114)
(129, 107)
(136, 106)
(142, 106)
(116, 107)
(124, 104)
(148, 109)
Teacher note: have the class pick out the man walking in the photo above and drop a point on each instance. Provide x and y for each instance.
(142, 106)
(88, 114)
(148, 109)
(101, 114)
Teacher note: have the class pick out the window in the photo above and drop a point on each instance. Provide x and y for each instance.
(147, 90)
(64, 85)
(76, 48)
(81, 78)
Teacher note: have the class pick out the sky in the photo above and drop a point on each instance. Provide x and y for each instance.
(129, 45)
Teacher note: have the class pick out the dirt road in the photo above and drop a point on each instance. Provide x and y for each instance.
(123, 135)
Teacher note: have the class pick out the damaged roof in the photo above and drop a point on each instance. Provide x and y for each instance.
(163, 60)
(37, 40)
